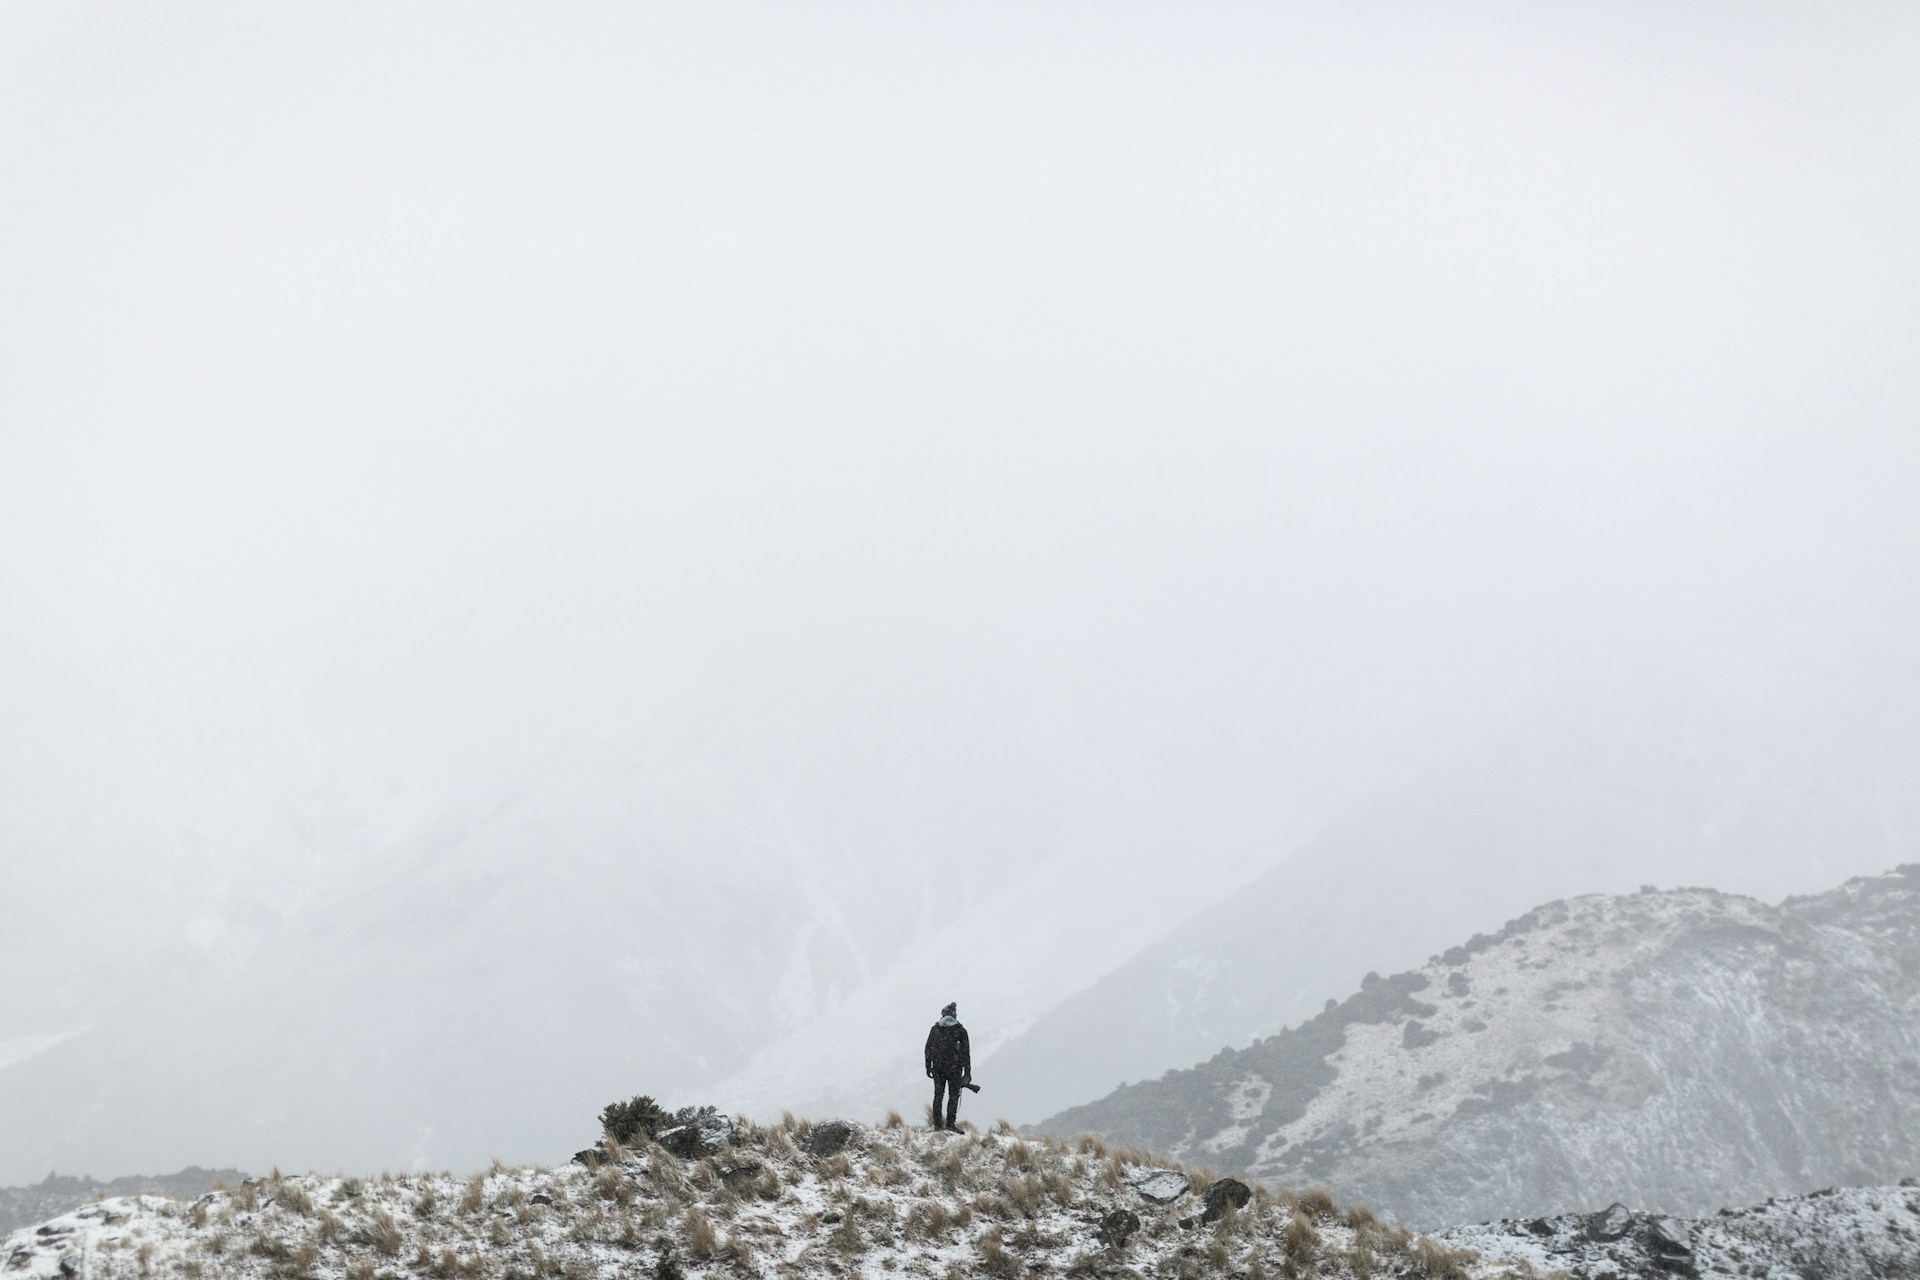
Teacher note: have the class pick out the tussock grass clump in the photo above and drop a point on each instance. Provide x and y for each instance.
(1025, 1194)
(1300, 1241)
(382, 1234)
(702, 1242)
(1318, 1202)
(847, 1238)
(995, 1260)
(266, 1245)
(1436, 1260)
(613, 1185)
(473, 1195)
(288, 1194)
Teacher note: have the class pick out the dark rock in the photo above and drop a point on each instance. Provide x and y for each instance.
(696, 1132)
(1670, 1245)
(541, 1197)
(738, 1170)
(1610, 1223)
(1116, 1227)
(1223, 1195)
(1417, 1035)
(1162, 1186)
(831, 1137)
(592, 1157)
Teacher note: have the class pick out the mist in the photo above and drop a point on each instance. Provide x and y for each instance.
(729, 509)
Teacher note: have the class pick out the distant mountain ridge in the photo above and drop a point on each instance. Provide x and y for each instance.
(1685, 1050)
(55, 1195)
(1767, 779)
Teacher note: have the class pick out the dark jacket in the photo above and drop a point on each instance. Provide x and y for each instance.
(947, 1051)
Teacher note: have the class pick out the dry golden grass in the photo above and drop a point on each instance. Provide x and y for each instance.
(1300, 1241)
(702, 1242)
(1318, 1202)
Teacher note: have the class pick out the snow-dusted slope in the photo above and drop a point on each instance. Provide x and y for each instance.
(893, 1201)
(1767, 779)
(1684, 1049)
(897, 1201)
(1855, 1233)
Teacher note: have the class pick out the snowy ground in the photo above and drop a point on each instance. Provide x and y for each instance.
(897, 1201)
(1855, 1233)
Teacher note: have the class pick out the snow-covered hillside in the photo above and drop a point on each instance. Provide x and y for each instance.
(835, 1200)
(1685, 1049)
(1761, 778)
(1854, 1233)
(768, 1201)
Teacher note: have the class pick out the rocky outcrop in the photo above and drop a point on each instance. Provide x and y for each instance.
(1864, 1233)
(1162, 1186)
(1117, 1227)
(695, 1132)
(830, 1137)
(1223, 1197)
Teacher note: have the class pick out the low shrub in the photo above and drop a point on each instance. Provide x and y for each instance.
(632, 1121)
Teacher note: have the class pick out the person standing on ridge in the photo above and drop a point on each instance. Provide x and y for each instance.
(949, 1065)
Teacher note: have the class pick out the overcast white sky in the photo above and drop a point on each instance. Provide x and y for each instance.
(1204, 401)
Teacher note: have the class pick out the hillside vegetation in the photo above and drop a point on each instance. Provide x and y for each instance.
(787, 1200)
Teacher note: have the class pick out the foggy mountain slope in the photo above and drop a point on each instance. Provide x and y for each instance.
(1682, 1050)
(618, 923)
(1759, 778)
(862, 1052)
(482, 972)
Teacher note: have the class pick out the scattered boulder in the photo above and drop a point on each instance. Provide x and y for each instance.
(541, 1197)
(1610, 1223)
(1228, 1193)
(739, 1169)
(1670, 1244)
(1116, 1227)
(1162, 1186)
(592, 1157)
(831, 1137)
(696, 1132)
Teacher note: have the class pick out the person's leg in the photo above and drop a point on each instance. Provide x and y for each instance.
(939, 1092)
(953, 1101)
